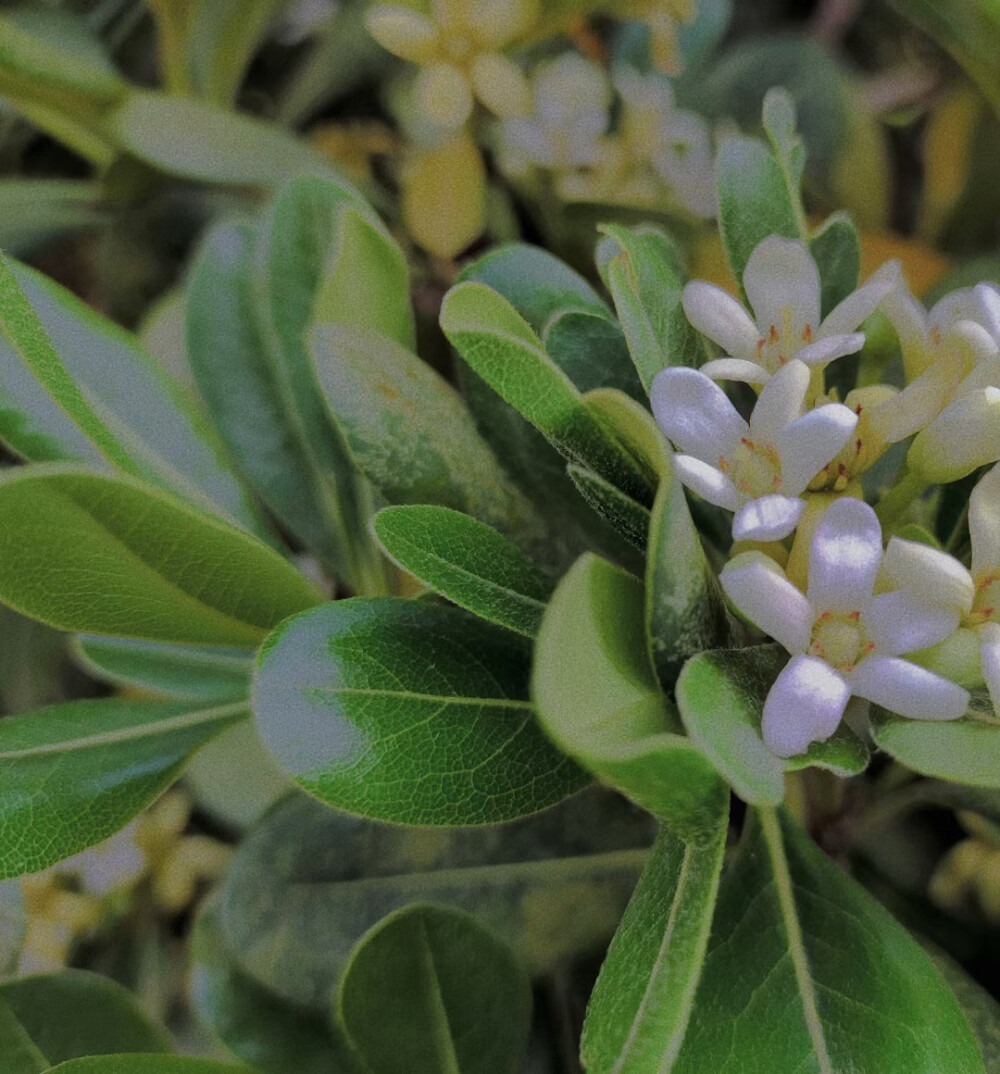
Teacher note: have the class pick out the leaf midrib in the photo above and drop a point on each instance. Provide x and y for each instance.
(411, 695)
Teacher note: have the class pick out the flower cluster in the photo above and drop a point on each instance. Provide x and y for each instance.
(902, 625)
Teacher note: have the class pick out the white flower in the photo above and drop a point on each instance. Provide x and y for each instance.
(569, 118)
(952, 350)
(783, 285)
(973, 595)
(675, 143)
(844, 640)
(758, 469)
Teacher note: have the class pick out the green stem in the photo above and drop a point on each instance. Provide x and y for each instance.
(899, 498)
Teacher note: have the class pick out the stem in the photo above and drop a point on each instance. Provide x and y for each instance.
(899, 498)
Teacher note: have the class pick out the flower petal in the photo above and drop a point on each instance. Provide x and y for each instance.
(805, 705)
(984, 523)
(719, 316)
(696, 414)
(768, 518)
(900, 622)
(812, 441)
(500, 84)
(862, 303)
(844, 557)
(403, 32)
(909, 319)
(443, 94)
(908, 690)
(920, 401)
(989, 659)
(829, 347)
(758, 587)
(964, 436)
(781, 274)
(939, 579)
(780, 402)
(710, 484)
(735, 369)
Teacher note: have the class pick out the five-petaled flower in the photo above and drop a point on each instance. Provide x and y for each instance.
(783, 285)
(844, 639)
(757, 469)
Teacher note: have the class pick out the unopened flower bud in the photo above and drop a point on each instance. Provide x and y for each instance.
(964, 436)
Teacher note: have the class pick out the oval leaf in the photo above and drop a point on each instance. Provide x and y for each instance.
(807, 971)
(721, 696)
(111, 556)
(73, 774)
(468, 562)
(429, 990)
(408, 712)
(598, 698)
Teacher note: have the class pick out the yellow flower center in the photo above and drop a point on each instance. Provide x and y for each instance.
(840, 640)
(783, 341)
(754, 468)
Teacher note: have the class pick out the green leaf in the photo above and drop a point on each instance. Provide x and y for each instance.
(77, 388)
(407, 712)
(502, 349)
(367, 282)
(246, 382)
(84, 552)
(20, 1054)
(263, 1029)
(194, 672)
(75, 773)
(409, 430)
(33, 211)
(642, 1001)
(964, 751)
(599, 700)
(685, 609)
(969, 30)
(72, 1014)
(145, 1064)
(980, 1009)
(629, 518)
(721, 696)
(472, 565)
(753, 200)
(646, 282)
(805, 971)
(429, 991)
(199, 141)
(836, 248)
(13, 925)
(778, 115)
(309, 882)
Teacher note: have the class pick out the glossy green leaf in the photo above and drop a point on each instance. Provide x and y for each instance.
(199, 141)
(75, 773)
(501, 348)
(409, 430)
(642, 1001)
(468, 562)
(263, 1029)
(194, 672)
(836, 247)
(309, 882)
(78, 388)
(685, 609)
(13, 925)
(407, 712)
(753, 200)
(367, 280)
(598, 698)
(963, 751)
(806, 971)
(629, 518)
(721, 693)
(72, 1014)
(429, 990)
(244, 379)
(84, 552)
(647, 282)
(146, 1064)
(779, 119)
